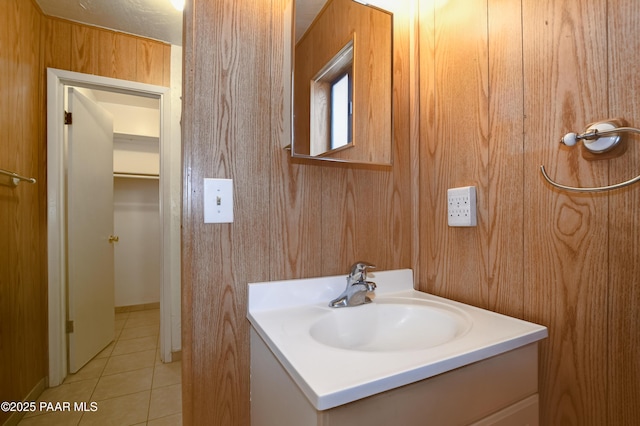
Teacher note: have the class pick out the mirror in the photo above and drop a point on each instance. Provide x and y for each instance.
(342, 82)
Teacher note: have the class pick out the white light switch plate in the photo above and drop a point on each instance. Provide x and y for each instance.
(218, 200)
(462, 206)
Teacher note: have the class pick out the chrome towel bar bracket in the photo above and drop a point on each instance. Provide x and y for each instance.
(598, 138)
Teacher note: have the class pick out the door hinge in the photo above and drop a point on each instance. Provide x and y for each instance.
(69, 326)
(68, 118)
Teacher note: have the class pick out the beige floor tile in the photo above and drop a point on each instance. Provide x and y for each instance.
(143, 331)
(106, 352)
(147, 313)
(140, 322)
(124, 410)
(120, 384)
(64, 418)
(153, 315)
(138, 344)
(174, 420)
(167, 374)
(117, 331)
(121, 316)
(70, 392)
(165, 401)
(127, 380)
(67, 392)
(92, 370)
(129, 362)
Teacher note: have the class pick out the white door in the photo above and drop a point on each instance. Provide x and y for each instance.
(89, 228)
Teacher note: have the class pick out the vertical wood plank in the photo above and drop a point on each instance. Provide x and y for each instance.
(359, 215)
(295, 207)
(188, 237)
(150, 53)
(84, 45)
(23, 346)
(227, 89)
(505, 196)
(457, 150)
(56, 43)
(115, 54)
(413, 136)
(566, 266)
(427, 202)
(30, 245)
(398, 221)
(624, 226)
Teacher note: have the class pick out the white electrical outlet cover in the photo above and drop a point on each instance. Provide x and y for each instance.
(461, 206)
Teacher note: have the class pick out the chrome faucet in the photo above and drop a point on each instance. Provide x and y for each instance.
(357, 287)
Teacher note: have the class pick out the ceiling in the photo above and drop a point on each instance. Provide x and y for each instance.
(156, 19)
(306, 11)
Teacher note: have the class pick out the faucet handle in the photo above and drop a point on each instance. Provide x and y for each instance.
(359, 271)
(371, 286)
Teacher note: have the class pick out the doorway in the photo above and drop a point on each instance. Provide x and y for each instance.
(57, 81)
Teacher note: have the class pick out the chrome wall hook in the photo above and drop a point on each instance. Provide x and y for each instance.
(598, 138)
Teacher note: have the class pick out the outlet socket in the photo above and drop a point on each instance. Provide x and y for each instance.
(462, 206)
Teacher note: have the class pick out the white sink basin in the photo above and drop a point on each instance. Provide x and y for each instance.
(394, 324)
(339, 355)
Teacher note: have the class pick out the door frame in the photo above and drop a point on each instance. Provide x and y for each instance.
(56, 208)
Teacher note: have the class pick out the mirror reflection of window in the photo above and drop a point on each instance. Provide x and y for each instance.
(324, 125)
(331, 92)
(341, 111)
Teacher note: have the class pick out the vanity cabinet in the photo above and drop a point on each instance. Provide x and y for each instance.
(500, 391)
(408, 358)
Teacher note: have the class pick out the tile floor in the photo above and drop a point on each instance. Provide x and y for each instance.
(127, 381)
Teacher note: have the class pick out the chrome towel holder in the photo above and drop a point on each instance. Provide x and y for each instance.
(16, 178)
(598, 138)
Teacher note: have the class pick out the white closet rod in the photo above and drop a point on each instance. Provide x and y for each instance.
(137, 175)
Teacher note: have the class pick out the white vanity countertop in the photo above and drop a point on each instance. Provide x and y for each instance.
(282, 313)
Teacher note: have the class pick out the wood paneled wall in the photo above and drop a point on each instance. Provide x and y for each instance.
(500, 82)
(30, 42)
(623, 240)
(292, 219)
(23, 293)
(75, 47)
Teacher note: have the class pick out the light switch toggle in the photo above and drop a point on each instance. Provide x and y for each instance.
(218, 200)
